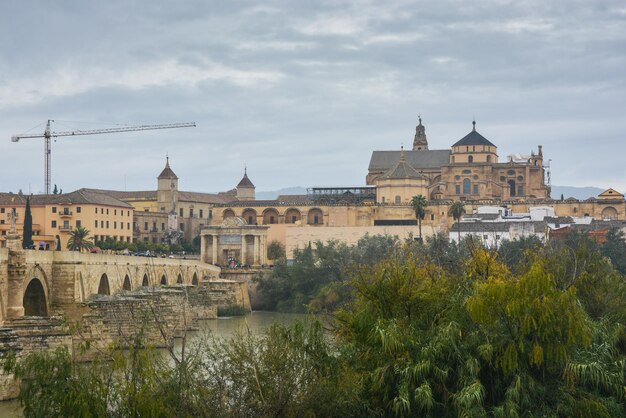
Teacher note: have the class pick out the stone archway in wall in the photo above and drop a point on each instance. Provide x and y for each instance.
(228, 213)
(103, 286)
(163, 280)
(315, 217)
(34, 301)
(194, 280)
(250, 216)
(145, 281)
(292, 216)
(179, 279)
(609, 212)
(270, 216)
(126, 285)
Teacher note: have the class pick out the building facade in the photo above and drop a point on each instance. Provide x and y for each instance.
(57, 215)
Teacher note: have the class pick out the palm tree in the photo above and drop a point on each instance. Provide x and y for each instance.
(79, 240)
(457, 210)
(419, 204)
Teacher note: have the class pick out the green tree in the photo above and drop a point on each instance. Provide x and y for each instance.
(457, 210)
(419, 204)
(275, 250)
(615, 249)
(27, 239)
(79, 240)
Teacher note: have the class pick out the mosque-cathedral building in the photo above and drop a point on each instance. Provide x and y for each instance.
(470, 171)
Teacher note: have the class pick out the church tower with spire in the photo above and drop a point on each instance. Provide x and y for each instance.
(245, 188)
(167, 189)
(420, 143)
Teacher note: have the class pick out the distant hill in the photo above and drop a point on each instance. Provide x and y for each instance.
(567, 191)
(575, 192)
(269, 195)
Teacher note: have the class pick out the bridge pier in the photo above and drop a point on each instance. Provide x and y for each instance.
(16, 269)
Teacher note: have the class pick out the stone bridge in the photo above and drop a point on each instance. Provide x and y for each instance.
(38, 283)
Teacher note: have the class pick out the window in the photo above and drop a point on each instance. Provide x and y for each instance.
(145, 226)
(54, 209)
(162, 208)
(497, 236)
(96, 224)
(78, 224)
(54, 224)
(520, 190)
(485, 237)
(154, 227)
(470, 159)
(107, 224)
(488, 158)
(398, 200)
(96, 211)
(114, 224)
(210, 213)
(101, 224)
(383, 199)
(457, 189)
(191, 212)
(250, 220)
(432, 216)
(162, 226)
(475, 188)
(1, 221)
(78, 209)
(127, 213)
(115, 212)
(511, 172)
(121, 225)
(107, 211)
(272, 219)
(127, 225)
(1, 210)
(316, 220)
(66, 224)
(180, 212)
(467, 185)
(294, 219)
(201, 214)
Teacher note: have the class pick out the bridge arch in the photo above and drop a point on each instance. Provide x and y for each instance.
(145, 282)
(35, 300)
(179, 279)
(103, 287)
(194, 280)
(163, 280)
(126, 285)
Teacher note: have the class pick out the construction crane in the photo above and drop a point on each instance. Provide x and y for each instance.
(47, 134)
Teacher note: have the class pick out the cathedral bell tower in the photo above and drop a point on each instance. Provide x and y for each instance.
(420, 143)
(167, 189)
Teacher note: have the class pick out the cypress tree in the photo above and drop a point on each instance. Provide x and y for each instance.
(27, 240)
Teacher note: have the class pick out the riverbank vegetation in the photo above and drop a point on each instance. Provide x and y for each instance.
(429, 330)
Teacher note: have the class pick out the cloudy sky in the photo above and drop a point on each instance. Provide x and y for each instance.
(302, 91)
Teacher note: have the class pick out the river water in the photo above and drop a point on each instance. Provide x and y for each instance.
(256, 322)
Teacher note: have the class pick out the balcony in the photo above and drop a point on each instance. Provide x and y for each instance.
(65, 214)
(65, 228)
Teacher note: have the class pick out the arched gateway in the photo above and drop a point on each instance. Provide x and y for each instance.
(35, 299)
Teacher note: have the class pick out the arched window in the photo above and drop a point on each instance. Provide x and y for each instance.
(228, 213)
(467, 186)
(470, 159)
(34, 301)
(511, 187)
(398, 200)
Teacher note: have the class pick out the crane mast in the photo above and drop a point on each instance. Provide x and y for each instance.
(47, 135)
